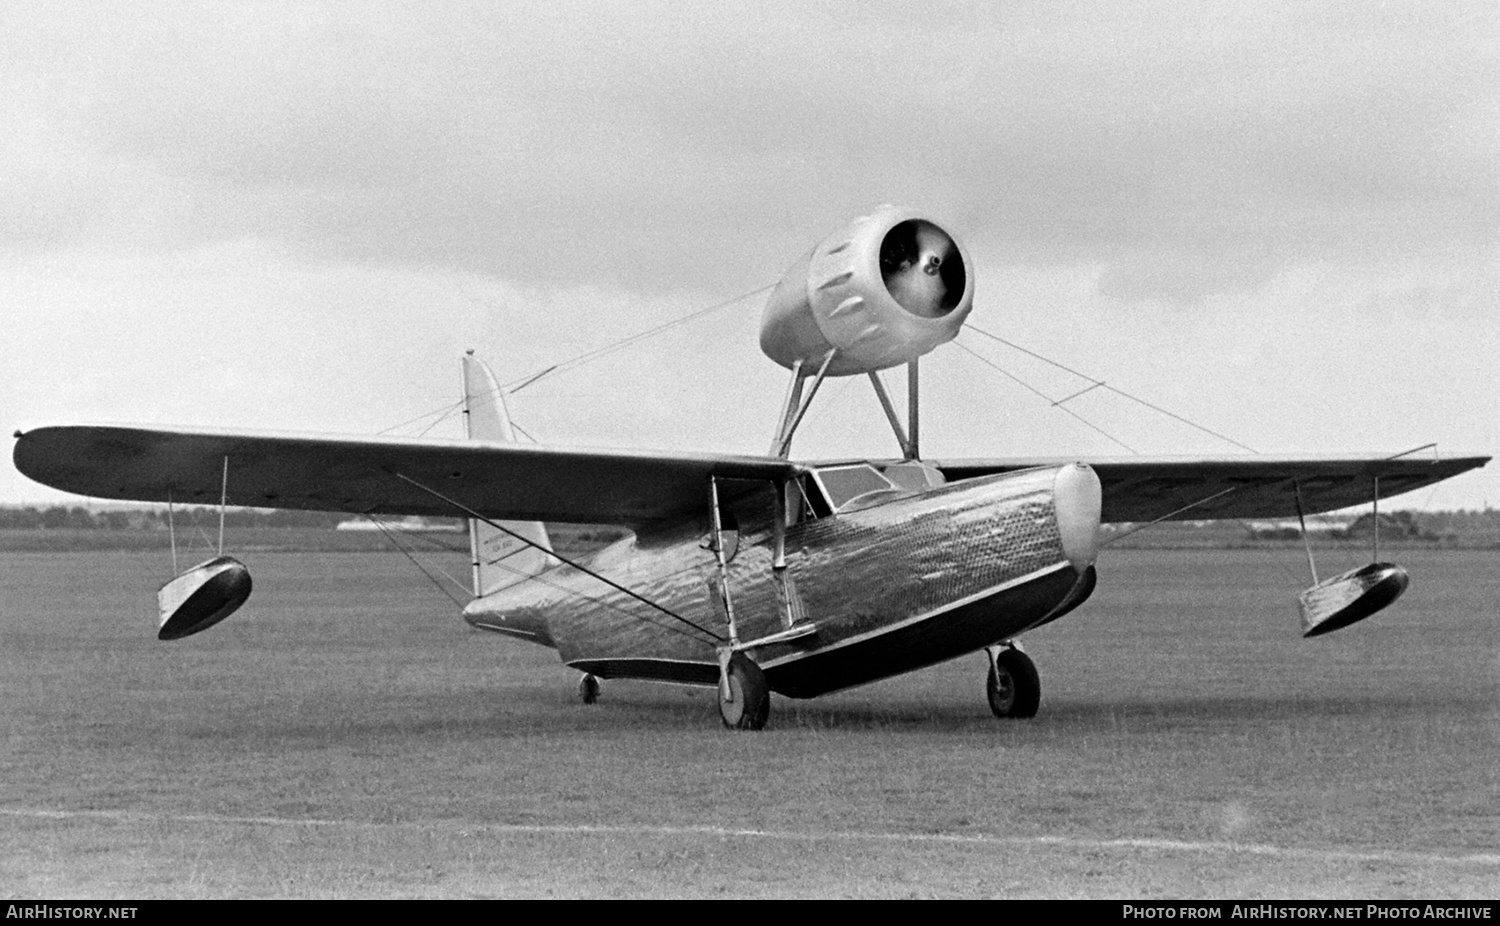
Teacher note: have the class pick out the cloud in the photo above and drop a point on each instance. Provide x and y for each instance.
(1128, 176)
(1196, 151)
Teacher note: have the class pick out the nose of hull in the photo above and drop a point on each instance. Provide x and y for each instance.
(1078, 501)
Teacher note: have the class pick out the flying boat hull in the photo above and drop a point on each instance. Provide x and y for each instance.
(914, 580)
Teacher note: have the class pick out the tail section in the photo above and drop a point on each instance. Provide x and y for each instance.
(500, 560)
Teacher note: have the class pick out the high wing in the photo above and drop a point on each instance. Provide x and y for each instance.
(1204, 488)
(365, 474)
(513, 481)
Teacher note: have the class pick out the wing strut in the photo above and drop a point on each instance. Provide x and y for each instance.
(172, 531)
(796, 406)
(912, 452)
(1351, 596)
(1173, 513)
(196, 600)
(719, 589)
(1312, 567)
(223, 502)
(890, 414)
(551, 552)
(743, 698)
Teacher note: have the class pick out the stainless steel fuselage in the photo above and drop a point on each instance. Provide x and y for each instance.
(905, 580)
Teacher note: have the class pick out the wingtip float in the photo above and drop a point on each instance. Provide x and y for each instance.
(1344, 599)
(201, 597)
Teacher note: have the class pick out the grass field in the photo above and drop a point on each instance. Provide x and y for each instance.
(347, 735)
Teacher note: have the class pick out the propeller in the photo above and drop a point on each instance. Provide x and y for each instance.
(922, 269)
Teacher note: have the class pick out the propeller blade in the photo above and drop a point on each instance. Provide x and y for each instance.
(915, 263)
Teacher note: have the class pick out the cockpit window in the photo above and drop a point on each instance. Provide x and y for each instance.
(843, 484)
(805, 500)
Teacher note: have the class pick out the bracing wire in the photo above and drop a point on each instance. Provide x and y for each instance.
(441, 418)
(440, 545)
(192, 514)
(1046, 398)
(516, 385)
(607, 604)
(824, 408)
(415, 562)
(1100, 384)
(431, 541)
(552, 552)
(1097, 383)
(442, 413)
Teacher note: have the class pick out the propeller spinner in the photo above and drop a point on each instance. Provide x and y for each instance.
(917, 267)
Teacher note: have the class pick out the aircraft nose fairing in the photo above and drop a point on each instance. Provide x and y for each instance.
(1078, 500)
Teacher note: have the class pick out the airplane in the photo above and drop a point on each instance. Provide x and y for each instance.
(753, 573)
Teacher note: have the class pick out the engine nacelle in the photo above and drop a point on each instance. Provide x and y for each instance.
(884, 290)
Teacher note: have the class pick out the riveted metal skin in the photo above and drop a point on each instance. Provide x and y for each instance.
(922, 577)
(835, 297)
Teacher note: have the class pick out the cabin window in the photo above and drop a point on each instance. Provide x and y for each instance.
(913, 474)
(805, 500)
(844, 484)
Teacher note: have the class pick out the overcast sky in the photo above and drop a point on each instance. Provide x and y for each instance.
(1279, 220)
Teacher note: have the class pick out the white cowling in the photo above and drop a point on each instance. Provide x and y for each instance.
(884, 290)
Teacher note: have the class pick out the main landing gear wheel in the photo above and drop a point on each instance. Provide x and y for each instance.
(1014, 689)
(588, 689)
(749, 701)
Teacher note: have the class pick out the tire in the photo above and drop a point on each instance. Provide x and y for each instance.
(752, 697)
(588, 689)
(1014, 688)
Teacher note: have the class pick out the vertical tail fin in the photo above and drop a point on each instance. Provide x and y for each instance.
(500, 560)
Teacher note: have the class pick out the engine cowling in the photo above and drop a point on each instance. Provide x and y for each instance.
(884, 290)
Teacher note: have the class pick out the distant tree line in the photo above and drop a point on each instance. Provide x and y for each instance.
(77, 517)
(1433, 526)
(1406, 525)
(1429, 525)
(1445, 523)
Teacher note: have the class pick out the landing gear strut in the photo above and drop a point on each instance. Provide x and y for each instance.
(1013, 687)
(588, 689)
(744, 697)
